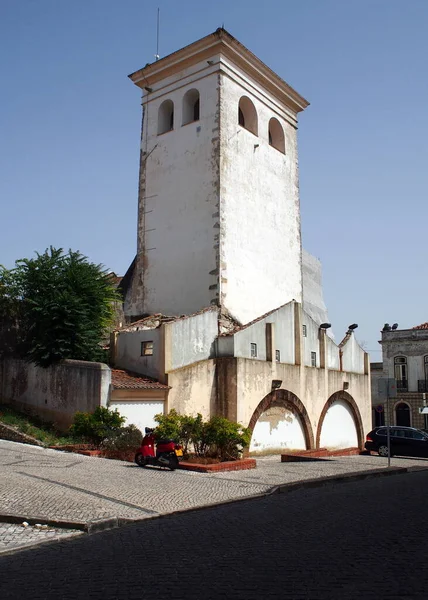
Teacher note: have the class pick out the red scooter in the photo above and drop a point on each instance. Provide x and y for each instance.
(167, 453)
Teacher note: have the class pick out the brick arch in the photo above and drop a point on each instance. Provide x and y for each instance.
(355, 413)
(288, 400)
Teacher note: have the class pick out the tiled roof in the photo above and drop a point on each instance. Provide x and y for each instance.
(422, 326)
(125, 380)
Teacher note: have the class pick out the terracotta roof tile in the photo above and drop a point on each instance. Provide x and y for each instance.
(125, 380)
(422, 326)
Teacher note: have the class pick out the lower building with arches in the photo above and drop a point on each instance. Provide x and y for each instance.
(280, 375)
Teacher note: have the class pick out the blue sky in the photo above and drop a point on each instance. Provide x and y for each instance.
(70, 120)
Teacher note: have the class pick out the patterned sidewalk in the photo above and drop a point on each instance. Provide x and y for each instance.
(17, 537)
(46, 484)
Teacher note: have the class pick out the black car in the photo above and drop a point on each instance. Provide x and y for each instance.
(405, 441)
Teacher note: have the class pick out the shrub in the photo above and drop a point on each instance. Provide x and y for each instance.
(123, 439)
(216, 438)
(180, 428)
(97, 425)
(226, 439)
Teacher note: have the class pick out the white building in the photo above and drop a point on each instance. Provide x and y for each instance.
(220, 298)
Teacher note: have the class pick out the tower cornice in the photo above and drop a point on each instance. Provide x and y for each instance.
(224, 44)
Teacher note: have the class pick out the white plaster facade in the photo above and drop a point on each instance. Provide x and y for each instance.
(224, 377)
(219, 216)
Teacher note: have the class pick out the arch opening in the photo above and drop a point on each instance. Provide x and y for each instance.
(280, 422)
(247, 115)
(276, 135)
(402, 414)
(166, 117)
(191, 106)
(343, 426)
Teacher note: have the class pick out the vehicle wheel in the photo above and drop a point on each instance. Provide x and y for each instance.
(139, 459)
(173, 462)
(383, 451)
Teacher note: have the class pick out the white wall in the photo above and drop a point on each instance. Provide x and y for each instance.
(128, 352)
(332, 358)
(283, 321)
(178, 201)
(56, 393)
(259, 206)
(139, 413)
(277, 429)
(313, 298)
(192, 339)
(353, 356)
(338, 430)
(311, 341)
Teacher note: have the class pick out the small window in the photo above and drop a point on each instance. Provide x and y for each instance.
(191, 104)
(277, 356)
(304, 330)
(313, 359)
(382, 432)
(276, 135)
(146, 348)
(247, 115)
(253, 350)
(166, 117)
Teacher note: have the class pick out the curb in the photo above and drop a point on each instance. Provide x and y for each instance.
(344, 478)
(92, 526)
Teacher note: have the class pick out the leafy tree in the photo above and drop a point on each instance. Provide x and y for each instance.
(63, 305)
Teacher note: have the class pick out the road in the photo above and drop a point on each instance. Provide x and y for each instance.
(363, 539)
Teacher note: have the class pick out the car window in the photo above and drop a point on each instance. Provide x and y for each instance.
(417, 435)
(381, 431)
(398, 433)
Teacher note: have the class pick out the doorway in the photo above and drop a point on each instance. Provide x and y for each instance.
(402, 415)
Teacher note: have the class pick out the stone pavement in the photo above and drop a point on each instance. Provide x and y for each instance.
(53, 485)
(362, 540)
(17, 537)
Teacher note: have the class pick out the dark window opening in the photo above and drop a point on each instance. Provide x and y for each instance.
(241, 119)
(147, 348)
(196, 110)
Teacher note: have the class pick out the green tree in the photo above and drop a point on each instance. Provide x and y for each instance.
(63, 305)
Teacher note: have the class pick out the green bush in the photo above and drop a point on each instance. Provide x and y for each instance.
(226, 439)
(97, 425)
(216, 438)
(174, 426)
(123, 439)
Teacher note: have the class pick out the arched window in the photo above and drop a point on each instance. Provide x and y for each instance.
(166, 116)
(276, 135)
(402, 414)
(400, 372)
(191, 105)
(247, 115)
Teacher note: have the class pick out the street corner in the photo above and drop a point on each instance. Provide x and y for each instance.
(21, 536)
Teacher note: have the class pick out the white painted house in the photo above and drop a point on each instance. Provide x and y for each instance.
(222, 304)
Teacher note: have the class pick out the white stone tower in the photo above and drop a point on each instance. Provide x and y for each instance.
(218, 209)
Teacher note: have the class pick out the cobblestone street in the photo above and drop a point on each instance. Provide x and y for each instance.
(363, 539)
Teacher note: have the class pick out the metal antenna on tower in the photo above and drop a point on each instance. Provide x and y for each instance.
(157, 37)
